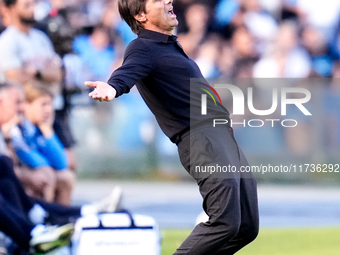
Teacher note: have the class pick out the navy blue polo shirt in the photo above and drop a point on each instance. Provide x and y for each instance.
(157, 64)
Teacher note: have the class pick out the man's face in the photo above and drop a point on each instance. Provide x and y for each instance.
(160, 16)
(24, 11)
(8, 104)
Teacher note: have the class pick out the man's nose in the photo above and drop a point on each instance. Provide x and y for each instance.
(168, 1)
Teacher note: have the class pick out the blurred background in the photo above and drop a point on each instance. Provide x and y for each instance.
(244, 39)
(241, 39)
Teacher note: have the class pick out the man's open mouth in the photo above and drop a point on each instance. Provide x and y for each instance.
(171, 13)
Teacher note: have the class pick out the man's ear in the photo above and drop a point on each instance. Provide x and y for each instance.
(141, 17)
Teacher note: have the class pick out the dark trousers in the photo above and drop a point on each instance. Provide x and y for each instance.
(229, 199)
(15, 205)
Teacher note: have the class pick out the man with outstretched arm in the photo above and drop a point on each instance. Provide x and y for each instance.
(157, 64)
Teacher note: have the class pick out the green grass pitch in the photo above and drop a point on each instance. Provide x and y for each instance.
(274, 242)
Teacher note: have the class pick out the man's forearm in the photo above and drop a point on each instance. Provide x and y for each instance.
(22, 75)
(19, 75)
(51, 75)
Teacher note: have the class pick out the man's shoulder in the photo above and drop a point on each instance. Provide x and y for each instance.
(9, 30)
(38, 33)
(12, 35)
(8, 34)
(138, 44)
(41, 41)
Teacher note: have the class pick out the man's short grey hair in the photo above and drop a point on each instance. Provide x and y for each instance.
(4, 86)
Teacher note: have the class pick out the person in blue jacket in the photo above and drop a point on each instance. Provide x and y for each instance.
(38, 147)
(32, 223)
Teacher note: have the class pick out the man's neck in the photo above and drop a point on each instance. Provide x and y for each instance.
(157, 29)
(21, 27)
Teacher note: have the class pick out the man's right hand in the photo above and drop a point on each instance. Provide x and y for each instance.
(102, 91)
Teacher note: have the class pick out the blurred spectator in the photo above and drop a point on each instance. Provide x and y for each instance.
(95, 10)
(96, 52)
(33, 183)
(38, 148)
(243, 44)
(37, 182)
(231, 14)
(261, 25)
(225, 12)
(243, 68)
(225, 59)
(181, 7)
(285, 58)
(12, 114)
(207, 56)
(196, 16)
(120, 33)
(323, 15)
(28, 55)
(316, 46)
(17, 118)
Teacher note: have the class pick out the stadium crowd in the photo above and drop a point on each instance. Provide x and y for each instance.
(228, 38)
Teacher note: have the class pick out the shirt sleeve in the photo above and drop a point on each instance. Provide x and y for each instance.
(45, 152)
(28, 156)
(137, 65)
(45, 42)
(9, 57)
(53, 151)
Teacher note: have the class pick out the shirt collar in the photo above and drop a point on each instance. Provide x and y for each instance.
(148, 34)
